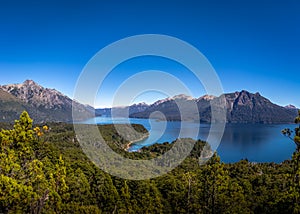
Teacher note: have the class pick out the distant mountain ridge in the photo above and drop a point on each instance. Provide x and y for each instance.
(43, 104)
(241, 107)
(122, 111)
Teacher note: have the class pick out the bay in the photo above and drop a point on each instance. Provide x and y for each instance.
(255, 142)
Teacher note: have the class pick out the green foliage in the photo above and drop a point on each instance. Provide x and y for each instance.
(49, 173)
(294, 176)
(220, 194)
(29, 181)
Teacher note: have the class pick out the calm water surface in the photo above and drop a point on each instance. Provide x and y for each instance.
(256, 142)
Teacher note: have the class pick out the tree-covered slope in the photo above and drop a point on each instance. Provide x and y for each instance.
(44, 170)
(11, 107)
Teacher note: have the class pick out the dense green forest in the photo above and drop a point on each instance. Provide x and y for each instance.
(43, 170)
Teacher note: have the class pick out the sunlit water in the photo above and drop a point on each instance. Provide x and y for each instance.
(256, 142)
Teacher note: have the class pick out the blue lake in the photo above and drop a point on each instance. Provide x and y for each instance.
(256, 142)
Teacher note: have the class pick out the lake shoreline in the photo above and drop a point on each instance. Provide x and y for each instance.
(127, 146)
(239, 141)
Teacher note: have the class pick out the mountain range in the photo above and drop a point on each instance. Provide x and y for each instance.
(241, 107)
(50, 105)
(43, 104)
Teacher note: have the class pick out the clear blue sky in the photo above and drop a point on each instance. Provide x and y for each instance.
(253, 45)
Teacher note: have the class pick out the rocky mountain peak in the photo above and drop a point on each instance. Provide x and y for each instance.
(140, 104)
(182, 96)
(30, 83)
(31, 92)
(244, 92)
(45, 102)
(207, 97)
(290, 107)
(176, 97)
(244, 98)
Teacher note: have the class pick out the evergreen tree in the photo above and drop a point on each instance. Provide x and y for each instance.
(294, 191)
(26, 184)
(220, 194)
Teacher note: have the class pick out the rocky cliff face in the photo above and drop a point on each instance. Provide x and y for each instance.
(245, 107)
(38, 96)
(44, 104)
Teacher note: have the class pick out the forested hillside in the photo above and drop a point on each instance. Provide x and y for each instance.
(43, 170)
